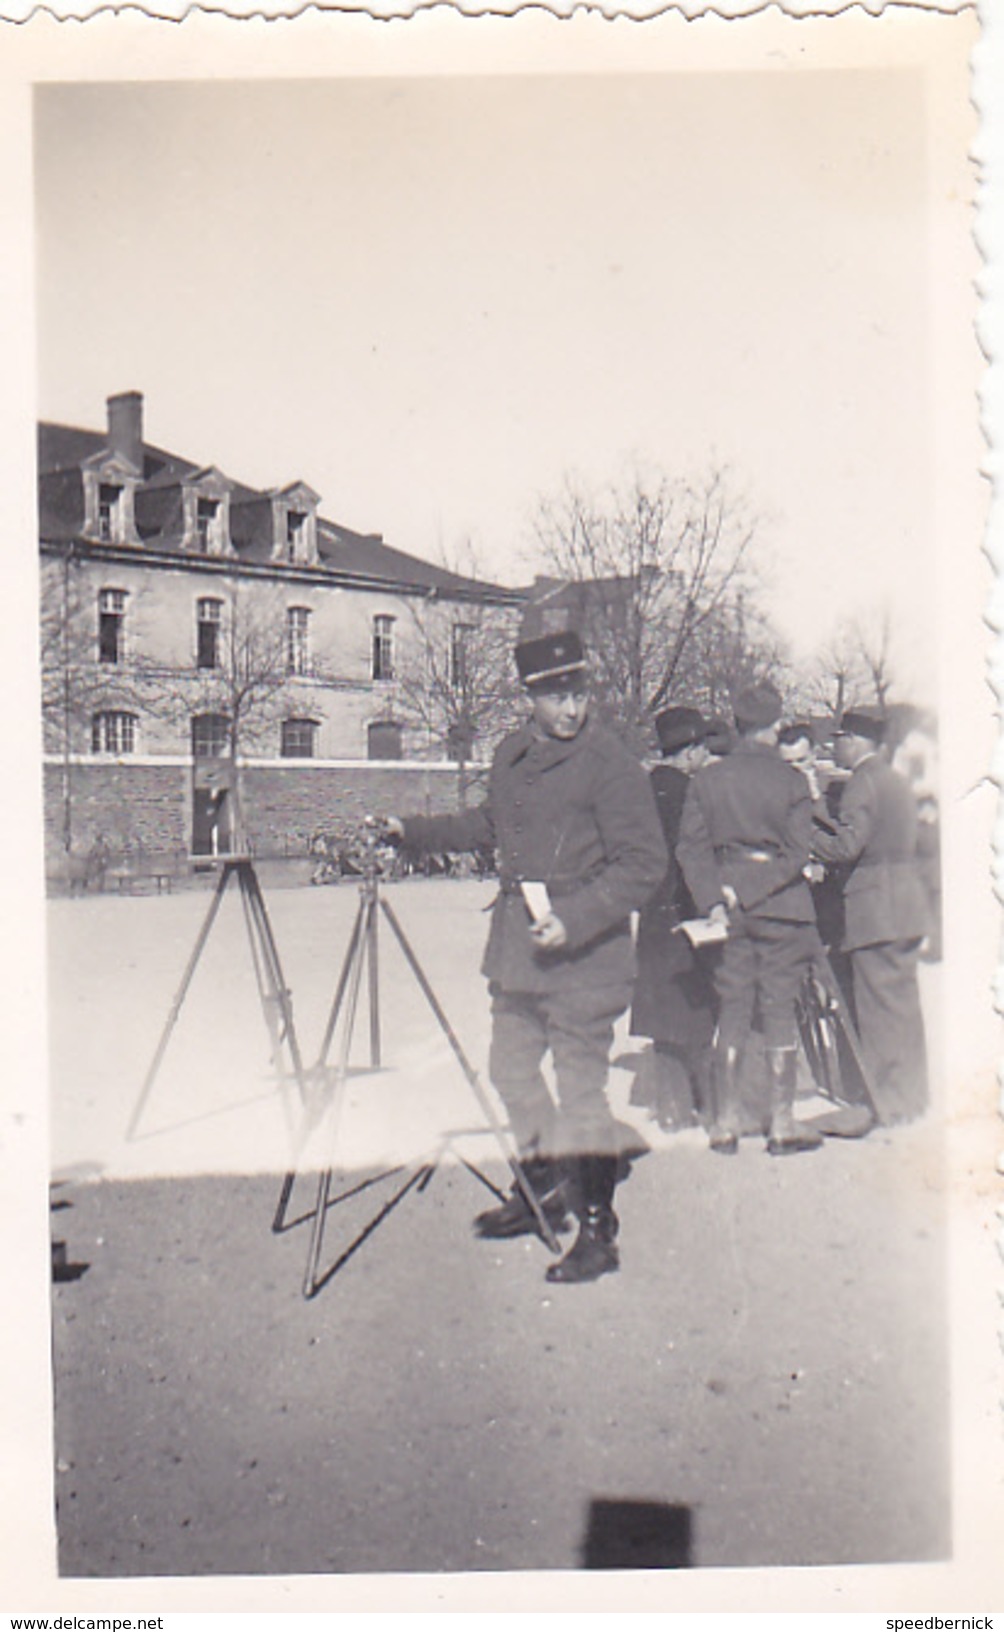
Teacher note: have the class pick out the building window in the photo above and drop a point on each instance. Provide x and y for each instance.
(206, 513)
(111, 625)
(109, 498)
(298, 738)
(210, 736)
(383, 647)
(384, 740)
(113, 732)
(459, 638)
(296, 532)
(209, 618)
(298, 640)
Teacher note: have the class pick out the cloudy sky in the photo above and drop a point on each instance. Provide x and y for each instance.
(432, 298)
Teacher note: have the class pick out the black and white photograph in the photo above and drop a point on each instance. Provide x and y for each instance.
(508, 752)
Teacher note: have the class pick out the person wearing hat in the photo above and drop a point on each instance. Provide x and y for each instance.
(745, 839)
(674, 998)
(570, 812)
(874, 834)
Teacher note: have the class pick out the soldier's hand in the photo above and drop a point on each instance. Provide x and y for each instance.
(549, 933)
(730, 897)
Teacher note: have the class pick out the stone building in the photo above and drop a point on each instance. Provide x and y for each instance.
(191, 624)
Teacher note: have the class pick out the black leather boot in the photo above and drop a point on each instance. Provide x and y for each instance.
(594, 1251)
(786, 1136)
(514, 1217)
(723, 1135)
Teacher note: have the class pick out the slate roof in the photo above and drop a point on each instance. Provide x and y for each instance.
(63, 449)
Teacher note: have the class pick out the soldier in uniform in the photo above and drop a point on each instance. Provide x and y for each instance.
(674, 998)
(875, 834)
(568, 808)
(744, 842)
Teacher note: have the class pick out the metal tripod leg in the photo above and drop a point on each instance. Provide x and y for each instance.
(363, 928)
(484, 1103)
(175, 1009)
(275, 995)
(354, 976)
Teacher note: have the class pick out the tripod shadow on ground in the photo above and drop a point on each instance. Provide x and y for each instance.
(418, 1179)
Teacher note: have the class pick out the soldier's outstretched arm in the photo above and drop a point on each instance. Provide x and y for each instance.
(844, 836)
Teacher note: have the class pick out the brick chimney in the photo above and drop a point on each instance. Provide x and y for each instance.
(125, 426)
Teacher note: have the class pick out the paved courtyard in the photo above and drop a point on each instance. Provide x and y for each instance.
(765, 1382)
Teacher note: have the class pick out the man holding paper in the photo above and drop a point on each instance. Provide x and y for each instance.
(580, 846)
(745, 839)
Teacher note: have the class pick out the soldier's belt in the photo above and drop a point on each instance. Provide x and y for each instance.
(744, 852)
(556, 887)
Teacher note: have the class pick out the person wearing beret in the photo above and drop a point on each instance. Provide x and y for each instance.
(569, 808)
(745, 839)
(874, 834)
(674, 998)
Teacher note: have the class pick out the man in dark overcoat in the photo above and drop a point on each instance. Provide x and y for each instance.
(744, 843)
(874, 833)
(568, 808)
(674, 997)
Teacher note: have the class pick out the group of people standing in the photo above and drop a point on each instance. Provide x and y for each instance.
(733, 839)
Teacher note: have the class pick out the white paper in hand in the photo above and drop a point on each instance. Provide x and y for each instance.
(537, 900)
(704, 932)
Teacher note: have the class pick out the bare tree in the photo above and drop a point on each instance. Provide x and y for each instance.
(856, 665)
(257, 674)
(658, 576)
(456, 680)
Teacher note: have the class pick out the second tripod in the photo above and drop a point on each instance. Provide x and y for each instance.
(362, 956)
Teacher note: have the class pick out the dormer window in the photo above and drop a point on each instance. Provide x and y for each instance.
(296, 521)
(109, 511)
(207, 515)
(294, 525)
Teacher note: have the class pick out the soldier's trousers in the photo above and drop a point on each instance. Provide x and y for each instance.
(891, 1026)
(762, 967)
(577, 1027)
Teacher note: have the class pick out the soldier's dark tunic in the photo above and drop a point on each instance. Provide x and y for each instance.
(886, 918)
(579, 817)
(673, 995)
(747, 823)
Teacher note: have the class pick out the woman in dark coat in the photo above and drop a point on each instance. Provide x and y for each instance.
(674, 999)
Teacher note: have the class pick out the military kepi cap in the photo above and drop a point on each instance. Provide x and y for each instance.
(550, 657)
(679, 728)
(863, 722)
(758, 706)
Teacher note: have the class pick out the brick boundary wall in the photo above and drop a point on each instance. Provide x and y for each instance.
(146, 806)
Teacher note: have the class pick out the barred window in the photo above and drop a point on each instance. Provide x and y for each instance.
(298, 738)
(298, 640)
(208, 621)
(111, 625)
(113, 731)
(383, 647)
(210, 735)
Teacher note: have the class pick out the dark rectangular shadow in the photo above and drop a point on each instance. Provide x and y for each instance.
(630, 1535)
